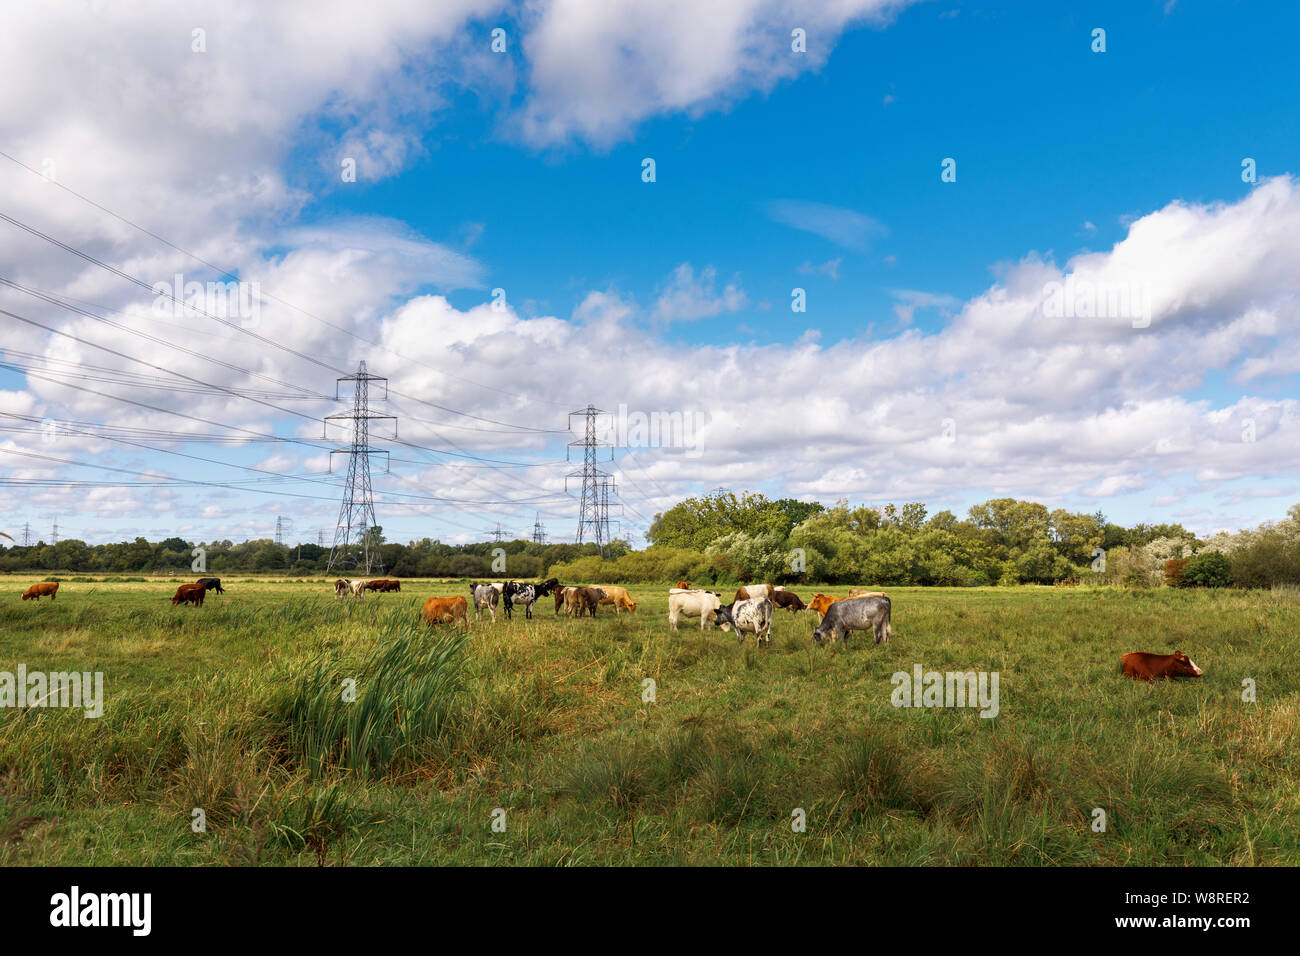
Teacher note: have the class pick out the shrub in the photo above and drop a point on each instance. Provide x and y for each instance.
(1174, 571)
(1209, 569)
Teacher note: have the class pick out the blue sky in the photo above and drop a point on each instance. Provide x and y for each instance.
(774, 171)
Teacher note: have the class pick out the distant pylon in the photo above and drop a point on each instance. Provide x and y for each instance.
(55, 536)
(354, 544)
(593, 516)
(539, 530)
(279, 530)
(498, 534)
(27, 534)
(320, 538)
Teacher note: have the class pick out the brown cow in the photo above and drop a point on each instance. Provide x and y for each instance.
(788, 600)
(684, 585)
(618, 597)
(1142, 665)
(560, 599)
(190, 594)
(382, 585)
(577, 601)
(859, 592)
(38, 591)
(446, 610)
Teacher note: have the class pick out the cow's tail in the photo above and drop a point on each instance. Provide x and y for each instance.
(888, 614)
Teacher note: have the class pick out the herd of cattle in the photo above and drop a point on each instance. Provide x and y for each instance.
(750, 610)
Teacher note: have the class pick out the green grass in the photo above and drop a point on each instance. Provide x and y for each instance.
(237, 708)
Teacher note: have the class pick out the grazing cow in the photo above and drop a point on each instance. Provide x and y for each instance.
(618, 597)
(821, 602)
(212, 584)
(753, 615)
(340, 588)
(855, 614)
(701, 604)
(755, 592)
(1141, 665)
(38, 591)
(485, 596)
(446, 611)
(861, 592)
(190, 594)
(357, 588)
(788, 600)
(515, 593)
(684, 585)
(381, 585)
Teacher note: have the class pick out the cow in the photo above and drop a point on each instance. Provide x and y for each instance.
(860, 592)
(578, 601)
(340, 588)
(618, 597)
(382, 585)
(821, 602)
(38, 591)
(446, 610)
(701, 604)
(515, 593)
(357, 588)
(753, 615)
(684, 585)
(485, 596)
(1142, 665)
(212, 584)
(753, 592)
(190, 594)
(560, 599)
(788, 600)
(546, 587)
(855, 614)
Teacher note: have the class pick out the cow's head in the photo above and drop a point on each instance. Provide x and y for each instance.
(821, 632)
(1184, 666)
(722, 616)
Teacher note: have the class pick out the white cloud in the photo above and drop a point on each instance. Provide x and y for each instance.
(844, 227)
(687, 296)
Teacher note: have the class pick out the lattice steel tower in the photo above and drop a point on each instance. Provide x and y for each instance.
(354, 544)
(539, 529)
(593, 512)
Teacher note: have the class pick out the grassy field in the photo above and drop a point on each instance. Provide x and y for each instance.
(235, 708)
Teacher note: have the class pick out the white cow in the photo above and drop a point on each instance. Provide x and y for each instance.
(358, 588)
(701, 604)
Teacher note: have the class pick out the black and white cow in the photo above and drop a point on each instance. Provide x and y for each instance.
(515, 593)
(753, 615)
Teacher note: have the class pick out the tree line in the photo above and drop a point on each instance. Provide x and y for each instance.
(724, 538)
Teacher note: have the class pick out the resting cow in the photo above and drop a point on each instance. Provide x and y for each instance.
(1142, 665)
(212, 584)
(446, 610)
(38, 591)
(753, 615)
(190, 594)
(861, 592)
(485, 596)
(701, 604)
(855, 614)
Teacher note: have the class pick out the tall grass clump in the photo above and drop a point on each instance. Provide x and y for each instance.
(405, 692)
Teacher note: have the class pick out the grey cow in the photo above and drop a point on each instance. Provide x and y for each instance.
(485, 596)
(855, 614)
